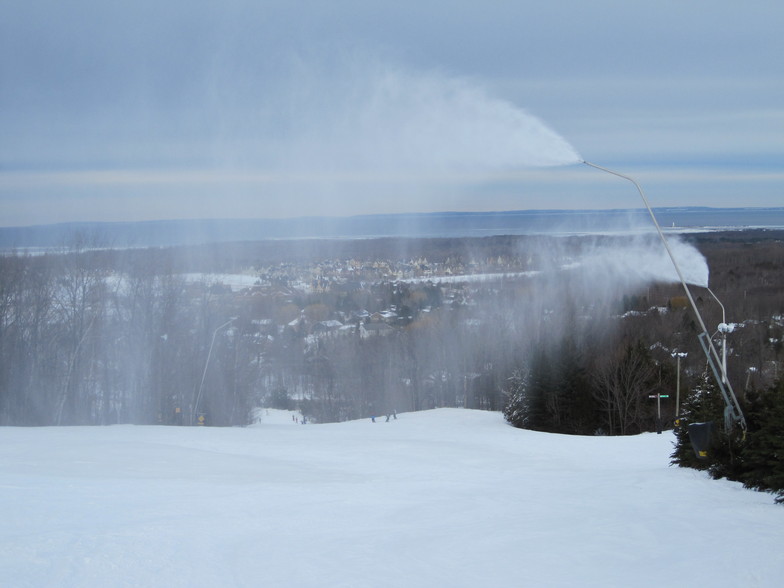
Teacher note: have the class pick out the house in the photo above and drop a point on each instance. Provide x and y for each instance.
(359, 315)
(385, 316)
(367, 330)
(326, 327)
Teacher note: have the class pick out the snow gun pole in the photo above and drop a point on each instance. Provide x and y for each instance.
(733, 412)
(195, 407)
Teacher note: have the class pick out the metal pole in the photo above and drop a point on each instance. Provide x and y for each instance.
(661, 236)
(206, 364)
(710, 349)
(678, 355)
(723, 330)
(678, 387)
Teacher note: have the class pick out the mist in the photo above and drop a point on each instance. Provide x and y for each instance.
(347, 131)
(642, 260)
(338, 136)
(572, 288)
(371, 118)
(134, 329)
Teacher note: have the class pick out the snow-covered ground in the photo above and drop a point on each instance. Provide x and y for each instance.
(233, 281)
(439, 498)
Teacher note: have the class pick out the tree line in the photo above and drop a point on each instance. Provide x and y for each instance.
(752, 456)
(100, 336)
(615, 385)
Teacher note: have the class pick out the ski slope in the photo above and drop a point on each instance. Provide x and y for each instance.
(448, 497)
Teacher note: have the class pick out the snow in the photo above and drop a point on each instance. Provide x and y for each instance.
(448, 497)
(469, 278)
(234, 281)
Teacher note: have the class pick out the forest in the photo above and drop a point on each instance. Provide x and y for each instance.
(348, 329)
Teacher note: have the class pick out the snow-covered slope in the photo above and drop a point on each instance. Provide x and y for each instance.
(439, 498)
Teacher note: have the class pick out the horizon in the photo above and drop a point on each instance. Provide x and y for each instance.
(526, 211)
(447, 224)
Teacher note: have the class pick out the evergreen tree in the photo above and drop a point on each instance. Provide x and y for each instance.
(725, 459)
(578, 410)
(556, 395)
(515, 411)
(703, 404)
(541, 400)
(756, 460)
(763, 451)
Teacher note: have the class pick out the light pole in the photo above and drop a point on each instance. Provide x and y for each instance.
(678, 355)
(723, 328)
(206, 365)
(732, 411)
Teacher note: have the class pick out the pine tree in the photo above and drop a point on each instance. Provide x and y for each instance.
(763, 451)
(577, 410)
(555, 395)
(581, 414)
(515, 411)
(702, 404)
(541, 400)
(726, 452)
(533, 397)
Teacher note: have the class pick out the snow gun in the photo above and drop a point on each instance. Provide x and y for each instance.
(699, 433)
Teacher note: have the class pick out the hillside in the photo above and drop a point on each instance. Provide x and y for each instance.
(449, 497)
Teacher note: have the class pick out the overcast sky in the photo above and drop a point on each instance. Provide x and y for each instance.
(117, 110)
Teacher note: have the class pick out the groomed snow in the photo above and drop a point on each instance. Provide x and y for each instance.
(439, 498)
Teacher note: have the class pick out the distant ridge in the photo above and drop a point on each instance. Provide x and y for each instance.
(438, 224)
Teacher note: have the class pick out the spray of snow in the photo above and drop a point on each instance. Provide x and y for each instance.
(643, 259)
(370, 118)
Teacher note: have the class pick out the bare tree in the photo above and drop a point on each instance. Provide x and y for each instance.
(79, 302)
(623, 380)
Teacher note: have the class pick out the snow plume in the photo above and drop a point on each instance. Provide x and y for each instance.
(592, 274)
(643, 259)
(574, 284)
(373, 119)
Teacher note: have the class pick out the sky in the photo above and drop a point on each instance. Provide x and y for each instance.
(114, 110)
(447, 497)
